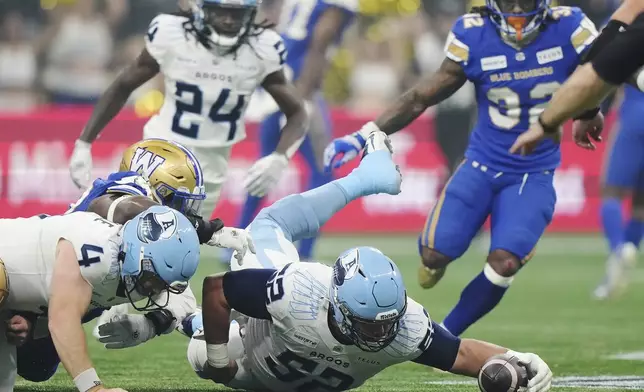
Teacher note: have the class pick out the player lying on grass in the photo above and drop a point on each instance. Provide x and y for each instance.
(516, 53)
(171, 176)
(66, 266)
(312, 327)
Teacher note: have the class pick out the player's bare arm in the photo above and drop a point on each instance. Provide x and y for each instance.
(472, 355)
(315, 63)
(144, 68)
(430, 91)
(292, 106)
(127, 208)
(69, 299)
(628, 10)
(216, 322)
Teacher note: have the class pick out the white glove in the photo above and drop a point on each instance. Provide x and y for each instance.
(233, 238)
(126, 330)
(541, 374)
(80, 165)
(265, 173)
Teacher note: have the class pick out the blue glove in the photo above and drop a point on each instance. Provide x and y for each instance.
(344, 149)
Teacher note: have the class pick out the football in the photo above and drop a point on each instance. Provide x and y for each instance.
(502, 373)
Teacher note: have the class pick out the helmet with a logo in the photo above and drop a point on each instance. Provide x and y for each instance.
(368, 298)
(173, 171)
(159, 253)
(518, 20)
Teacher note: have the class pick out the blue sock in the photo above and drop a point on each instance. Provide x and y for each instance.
(612, 222)
(634, 232)
(477, 299)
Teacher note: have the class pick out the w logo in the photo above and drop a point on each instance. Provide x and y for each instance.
(145, 162)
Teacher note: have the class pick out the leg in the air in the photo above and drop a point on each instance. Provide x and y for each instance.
(458, 214)
(318, 177)
(520, 213)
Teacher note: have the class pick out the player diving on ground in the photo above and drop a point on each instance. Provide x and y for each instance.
(310, 326)
(152, 172)
(63, 267)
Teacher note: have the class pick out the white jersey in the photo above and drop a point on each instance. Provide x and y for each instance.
(296, 351)
(206, 92)
(28, 249)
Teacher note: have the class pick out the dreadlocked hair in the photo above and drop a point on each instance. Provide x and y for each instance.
(253, 30)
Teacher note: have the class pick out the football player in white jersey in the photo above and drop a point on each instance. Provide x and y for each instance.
(212, 58)
(64, 266)
(311, 326)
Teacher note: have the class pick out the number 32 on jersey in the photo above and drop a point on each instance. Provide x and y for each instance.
(506, 110)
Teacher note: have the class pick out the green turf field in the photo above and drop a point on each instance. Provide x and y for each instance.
(548, 311)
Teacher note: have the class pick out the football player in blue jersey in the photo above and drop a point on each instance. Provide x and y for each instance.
(623, 177)
(309, 29)
(517, 53)
(153, 171)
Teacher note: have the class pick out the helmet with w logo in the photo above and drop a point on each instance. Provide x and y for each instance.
(173, 171)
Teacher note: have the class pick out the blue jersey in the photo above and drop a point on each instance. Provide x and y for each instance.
(126, 183)
(513, 86)
(298, 24)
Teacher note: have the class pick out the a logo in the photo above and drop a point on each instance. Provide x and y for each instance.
(387, 315)
(493, 63)
(520, 56)
(305, 340)
(157, 226)
(145, 162)
(346, 266)
(550, 55)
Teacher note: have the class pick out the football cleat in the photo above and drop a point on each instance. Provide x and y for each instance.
(377, 171)
(427, 277)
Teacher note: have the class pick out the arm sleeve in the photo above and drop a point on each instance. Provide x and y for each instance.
(608, 33)
(625, 55)
(439, 348)
(246, 291)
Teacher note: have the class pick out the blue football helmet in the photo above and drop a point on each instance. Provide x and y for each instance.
(160, 252)
(224, 22)
(518, 20)
(368, 298)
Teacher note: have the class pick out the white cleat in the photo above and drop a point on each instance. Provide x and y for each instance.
(377, 141)
(618, 269)
(107, 316)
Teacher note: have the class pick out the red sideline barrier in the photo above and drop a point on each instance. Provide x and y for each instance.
(35, 149)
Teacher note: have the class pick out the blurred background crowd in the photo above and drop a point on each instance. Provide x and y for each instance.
(67, 51)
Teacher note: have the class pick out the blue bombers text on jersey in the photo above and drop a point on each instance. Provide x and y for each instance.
(513, 85)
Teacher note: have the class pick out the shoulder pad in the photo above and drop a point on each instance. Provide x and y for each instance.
(349, 5)
(413, 331)
(582, 31)
(92, 239)
(304, 294)
(271, 49)
(163, 33)
(457, 46)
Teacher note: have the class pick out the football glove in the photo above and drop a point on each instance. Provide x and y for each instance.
(265, 174)
(126, 330)
(344, 149)
(232, 238)
(80, 165)
(538, 371)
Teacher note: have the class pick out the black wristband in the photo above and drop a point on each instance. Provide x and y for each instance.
(161, 319)
(205, 229)
(588, 115)
(548, 130)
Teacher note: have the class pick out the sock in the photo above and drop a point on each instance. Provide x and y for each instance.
(612, 222)
(634, 232)
(480, 296)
